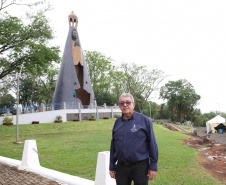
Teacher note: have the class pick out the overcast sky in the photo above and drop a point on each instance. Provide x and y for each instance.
(183, 38)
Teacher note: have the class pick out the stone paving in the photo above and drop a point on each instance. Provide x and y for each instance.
(12, 176)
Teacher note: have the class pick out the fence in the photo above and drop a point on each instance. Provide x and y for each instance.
(68, 111)
(48, 107)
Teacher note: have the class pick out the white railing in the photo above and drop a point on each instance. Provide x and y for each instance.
(30, 162)
(67, 114)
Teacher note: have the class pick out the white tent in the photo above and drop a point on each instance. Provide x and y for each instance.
(214, 122)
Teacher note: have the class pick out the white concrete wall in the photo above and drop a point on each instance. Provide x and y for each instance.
(50, 116)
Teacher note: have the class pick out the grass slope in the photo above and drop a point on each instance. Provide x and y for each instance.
(75, 145)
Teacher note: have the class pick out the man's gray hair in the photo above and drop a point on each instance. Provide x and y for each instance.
(127, 95)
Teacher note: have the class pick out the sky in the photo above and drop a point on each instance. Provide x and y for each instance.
(183, 38)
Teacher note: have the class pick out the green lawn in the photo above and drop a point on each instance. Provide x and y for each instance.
(75, 145)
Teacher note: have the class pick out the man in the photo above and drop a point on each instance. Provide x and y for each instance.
(133, 144)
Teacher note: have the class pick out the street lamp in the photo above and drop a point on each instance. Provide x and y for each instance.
(17, 110)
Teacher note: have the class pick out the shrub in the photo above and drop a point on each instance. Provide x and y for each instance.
(7, 119)
(59, 117)
(118, 115)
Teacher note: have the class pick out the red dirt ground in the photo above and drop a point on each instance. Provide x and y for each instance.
(212, 154)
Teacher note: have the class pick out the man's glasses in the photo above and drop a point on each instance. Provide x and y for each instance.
(122, 103)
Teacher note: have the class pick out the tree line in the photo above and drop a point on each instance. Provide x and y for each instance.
(25, 49)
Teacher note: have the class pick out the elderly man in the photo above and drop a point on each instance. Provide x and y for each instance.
(133, 146)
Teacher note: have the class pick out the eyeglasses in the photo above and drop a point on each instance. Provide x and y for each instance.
(127, 103)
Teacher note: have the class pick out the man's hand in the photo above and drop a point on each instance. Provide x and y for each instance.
(152, 174)
(112, 174)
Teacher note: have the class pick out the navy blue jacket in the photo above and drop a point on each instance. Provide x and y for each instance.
(133, 140)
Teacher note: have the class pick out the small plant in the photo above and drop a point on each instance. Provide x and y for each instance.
(92, 117)
(59, 117)
(118, 115)
(7, 119)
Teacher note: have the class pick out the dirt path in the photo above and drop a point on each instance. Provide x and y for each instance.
(211, 151)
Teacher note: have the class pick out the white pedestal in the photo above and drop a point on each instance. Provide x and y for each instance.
(30, 157)
(102, 170)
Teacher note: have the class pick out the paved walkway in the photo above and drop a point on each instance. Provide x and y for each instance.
(12, 176)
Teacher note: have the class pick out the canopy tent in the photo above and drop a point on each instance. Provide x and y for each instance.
(214, 122)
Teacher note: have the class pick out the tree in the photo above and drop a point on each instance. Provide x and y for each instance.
(7, 101)
(117, 83)
(154, 109)
(137, 80)
(7, 3)
(46, 85)
(99, 67)
(25, 45)
(181, 98)
(141, 82)
(197, 118)
(223, 114)
(38, 89)
(27, 90)
(105, 97)
(164, 112)
(209, 115)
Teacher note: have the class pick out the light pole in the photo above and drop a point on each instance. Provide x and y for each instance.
(17, 111)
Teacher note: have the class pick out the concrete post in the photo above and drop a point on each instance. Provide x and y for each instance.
(112, 113)
(97, 113)
(64, 105)
(115, 106)
(80, 114)
(20, 109)
(104, 105)
(32, 109)
(42, 107)
(30, 157)
(102, 170)
(8, 112)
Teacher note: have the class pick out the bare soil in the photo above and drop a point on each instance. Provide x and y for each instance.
(211, 152)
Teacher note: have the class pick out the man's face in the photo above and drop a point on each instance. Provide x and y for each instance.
(126, 105)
